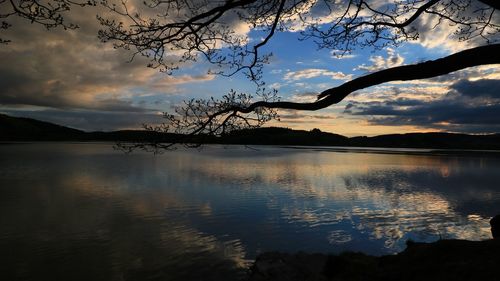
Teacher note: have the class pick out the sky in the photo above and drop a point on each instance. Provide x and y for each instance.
(70, 78)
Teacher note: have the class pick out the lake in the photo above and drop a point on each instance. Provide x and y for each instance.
(83, 211)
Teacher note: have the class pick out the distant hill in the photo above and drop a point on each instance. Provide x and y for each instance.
(24, 129)
(27, 129)
(284, 136)
(430, 140)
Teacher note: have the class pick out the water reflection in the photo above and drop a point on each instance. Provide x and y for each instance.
(86, 212)
(79, 219)
(386, 198)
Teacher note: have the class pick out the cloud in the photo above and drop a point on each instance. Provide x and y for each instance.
(379, 62)
(275, 85)
(485, 88)
(469, 106)
(304, 96)
(72, 71)
(341, 55)
(167, 81)
(447, 35)
(70, 78)
(293, 117)
(73, 76)
(315, 72)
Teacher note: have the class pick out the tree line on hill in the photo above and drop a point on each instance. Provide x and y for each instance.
(26, 129)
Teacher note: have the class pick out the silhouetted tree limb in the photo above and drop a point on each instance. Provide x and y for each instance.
(172, 32)
(202, 118)
(197, 120)
(357, 23)
(206, 29)
(197, 28)
(489, 54)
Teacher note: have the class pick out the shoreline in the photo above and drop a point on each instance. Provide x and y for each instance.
(456, 260)
(337, 149)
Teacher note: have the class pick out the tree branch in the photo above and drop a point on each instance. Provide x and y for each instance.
(407, 22)
(198, 119)
(482, 55)
(47, 13)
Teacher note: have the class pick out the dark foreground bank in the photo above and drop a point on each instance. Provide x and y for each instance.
(442, 260)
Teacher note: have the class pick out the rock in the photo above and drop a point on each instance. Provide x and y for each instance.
(275, 266)
(457, 260)
(495, 226)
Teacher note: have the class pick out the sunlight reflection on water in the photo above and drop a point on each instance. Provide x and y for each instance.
(86, 211)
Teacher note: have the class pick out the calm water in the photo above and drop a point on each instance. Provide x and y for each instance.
(87, 212)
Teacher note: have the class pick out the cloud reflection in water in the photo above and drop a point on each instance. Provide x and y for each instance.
(383, 197)
(184, 212)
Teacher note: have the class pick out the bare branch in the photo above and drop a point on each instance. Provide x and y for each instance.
(193, 30)
(237, 111)
(46, 13)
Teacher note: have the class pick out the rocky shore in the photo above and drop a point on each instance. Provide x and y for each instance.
(442, 260)
(455, 260)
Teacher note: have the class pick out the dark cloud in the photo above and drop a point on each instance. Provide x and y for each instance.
(470, 106)
(66, 69)
(488, 88)
(404, 102)
(26, 88)
(69, 77)
(380, 108)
